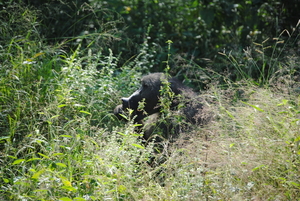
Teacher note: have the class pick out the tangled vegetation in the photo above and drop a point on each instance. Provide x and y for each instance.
(63, 72)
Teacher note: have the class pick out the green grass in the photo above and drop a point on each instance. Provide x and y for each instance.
(60, 141)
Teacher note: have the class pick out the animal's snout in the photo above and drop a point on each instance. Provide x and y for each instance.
(125, 102)
(132, 101)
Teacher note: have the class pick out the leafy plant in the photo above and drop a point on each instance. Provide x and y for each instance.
(60, 141)
(264, 62)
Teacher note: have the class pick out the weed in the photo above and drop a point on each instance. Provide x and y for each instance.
(60, 141)
(264, 67)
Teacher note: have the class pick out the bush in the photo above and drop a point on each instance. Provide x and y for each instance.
(60, 141)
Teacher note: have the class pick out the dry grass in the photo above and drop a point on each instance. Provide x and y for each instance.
(250, 151)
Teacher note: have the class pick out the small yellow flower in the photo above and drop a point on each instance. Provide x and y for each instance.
(127, 8)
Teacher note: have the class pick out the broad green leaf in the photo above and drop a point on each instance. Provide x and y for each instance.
(16, 162)
(38, 54)
(294, 184)
(65, 181)
(297, 139)
(33, 159)
(58, 154)
(68, 136)
(258, 167)
(4, 138)
(284, 102)
(43, 155)
(121, 133)
(37, 174)
(138, 146)
(61, 164)
(121, 188)
(69, 188)
(79, 199)
(13, 157)
(122, 115)
(138, 135)
(6, 180)
(85, 112)
(281, 178)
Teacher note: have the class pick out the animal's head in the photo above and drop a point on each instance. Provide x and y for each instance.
(149, 92)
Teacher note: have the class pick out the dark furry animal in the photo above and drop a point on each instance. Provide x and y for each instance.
(149, 116)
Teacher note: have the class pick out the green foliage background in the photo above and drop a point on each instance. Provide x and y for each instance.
(198, 29)
(65, 64)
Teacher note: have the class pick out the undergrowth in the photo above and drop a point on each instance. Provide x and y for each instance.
(60, 141)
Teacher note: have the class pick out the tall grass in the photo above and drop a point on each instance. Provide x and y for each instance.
(70, 147)
(257, 148)
(60, 141)
(264, 62)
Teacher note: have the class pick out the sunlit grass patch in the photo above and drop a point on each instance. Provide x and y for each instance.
(59, 139)
(255, 151)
